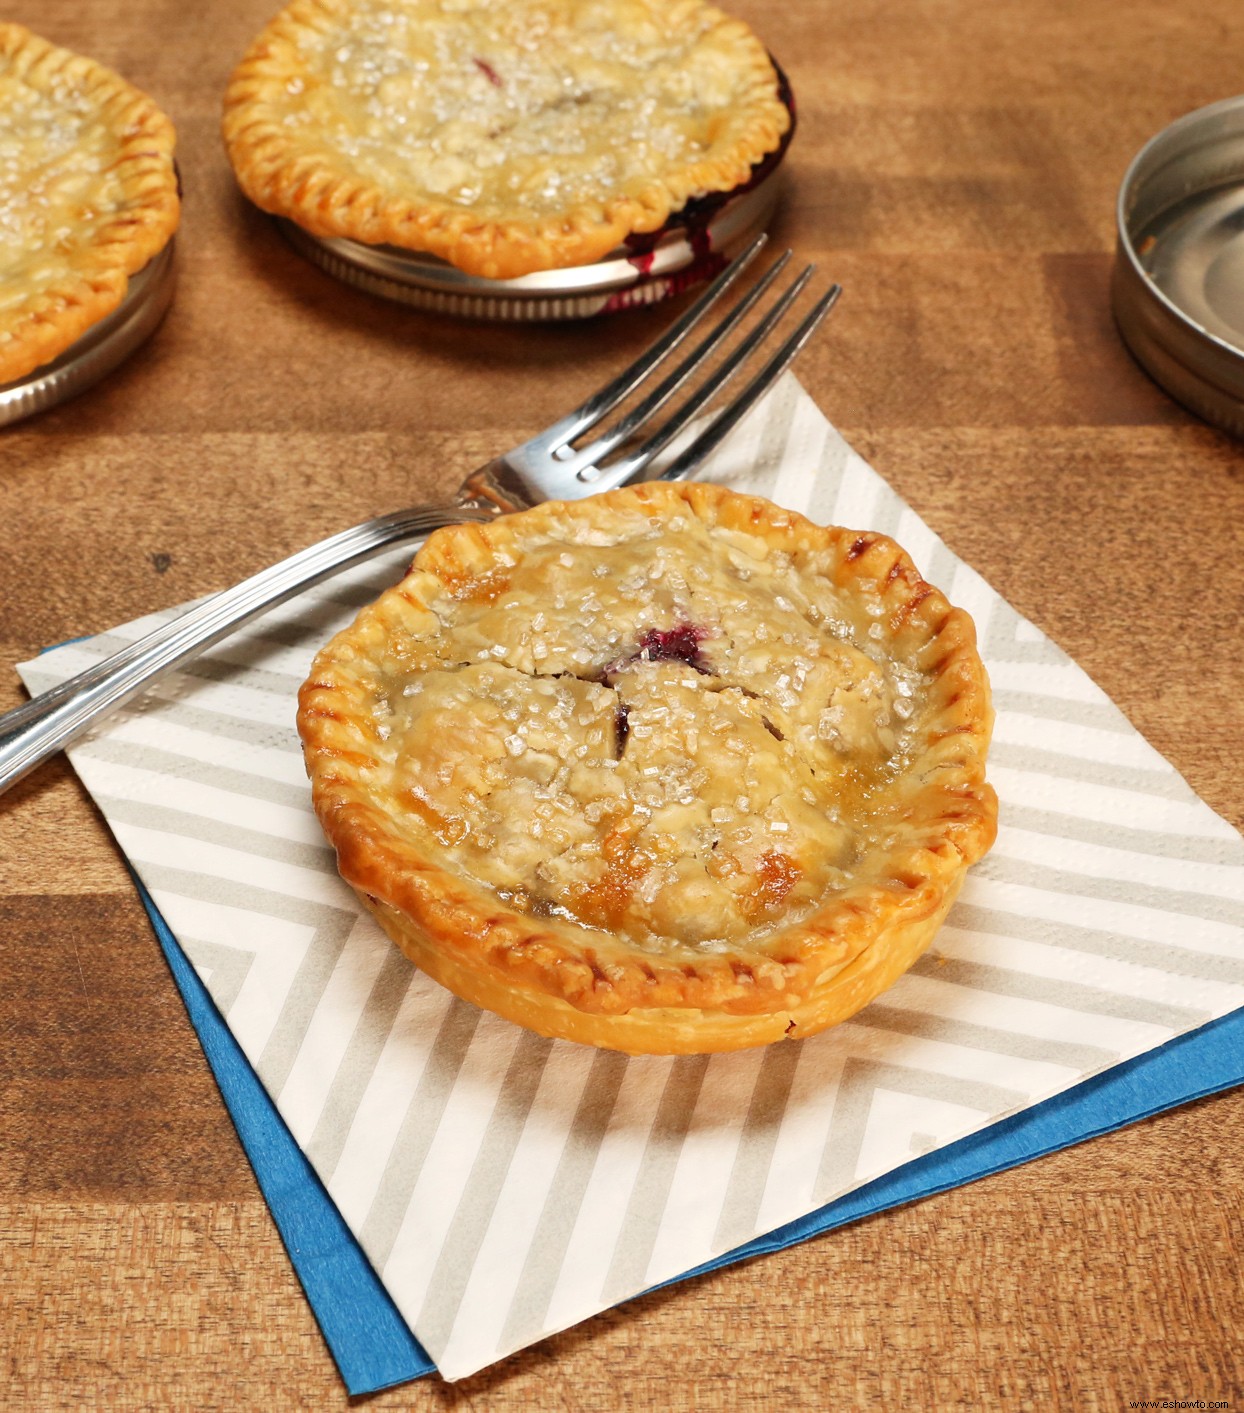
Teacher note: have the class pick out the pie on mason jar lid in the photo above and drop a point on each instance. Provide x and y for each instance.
(88, 195)
(667, 770)
(503, 138)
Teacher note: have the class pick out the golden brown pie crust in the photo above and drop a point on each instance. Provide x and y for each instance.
(503, 138)
(89, 195)
(401, 708)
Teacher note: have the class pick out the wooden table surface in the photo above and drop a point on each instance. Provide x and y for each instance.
(956, 169)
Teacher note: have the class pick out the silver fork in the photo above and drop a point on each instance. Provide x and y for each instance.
(548, 467)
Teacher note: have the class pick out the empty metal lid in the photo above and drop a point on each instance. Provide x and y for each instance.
(1178, 287)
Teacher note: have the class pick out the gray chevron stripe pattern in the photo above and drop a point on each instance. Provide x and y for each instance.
(488, 1173)
(185, 824)
(505, 1186)
(418, 1125)
(633, 1251)
(1116, 835)
(1000, 641)
(1101, 715)
(1037, 760)
(222, 725)
(227, 966)
(374, 1026)
(1161, 957)
(861, 1080)
(174, 766)
(1184, 902)
(1072, 1055)
(1068, 995)
(738, 1221)
(526, 1319)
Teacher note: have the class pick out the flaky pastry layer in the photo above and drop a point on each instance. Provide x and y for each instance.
(88, 195)
(666, 770)
(504, 139)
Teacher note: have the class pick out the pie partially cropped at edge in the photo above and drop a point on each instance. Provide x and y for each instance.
(88, 195)
(666, 770)
(504, 138)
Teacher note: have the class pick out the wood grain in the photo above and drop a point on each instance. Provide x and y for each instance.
(956, 168)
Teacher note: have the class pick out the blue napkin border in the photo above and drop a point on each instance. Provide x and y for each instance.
(373, 1346)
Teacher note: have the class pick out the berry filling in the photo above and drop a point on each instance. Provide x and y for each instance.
(621, 729)
(680, 644)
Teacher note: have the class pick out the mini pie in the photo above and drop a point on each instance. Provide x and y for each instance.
(504, 138)
(88, 195)
(667, 770)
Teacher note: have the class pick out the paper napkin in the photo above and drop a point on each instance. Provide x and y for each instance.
(504, 1186)
(373, 1346)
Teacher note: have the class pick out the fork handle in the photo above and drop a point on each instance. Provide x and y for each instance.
(31, 733)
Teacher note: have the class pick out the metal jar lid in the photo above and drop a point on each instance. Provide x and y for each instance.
(100, 349)
(1178, 285)
(646, 273)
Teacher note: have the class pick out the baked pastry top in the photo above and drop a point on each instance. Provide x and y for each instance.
(668, 769)
(503, 138)
(88, 195)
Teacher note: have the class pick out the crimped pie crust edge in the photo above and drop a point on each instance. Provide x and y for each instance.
(97, 273)
(594, 987)
(316, 190)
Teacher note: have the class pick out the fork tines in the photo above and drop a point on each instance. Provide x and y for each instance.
(705, 371)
